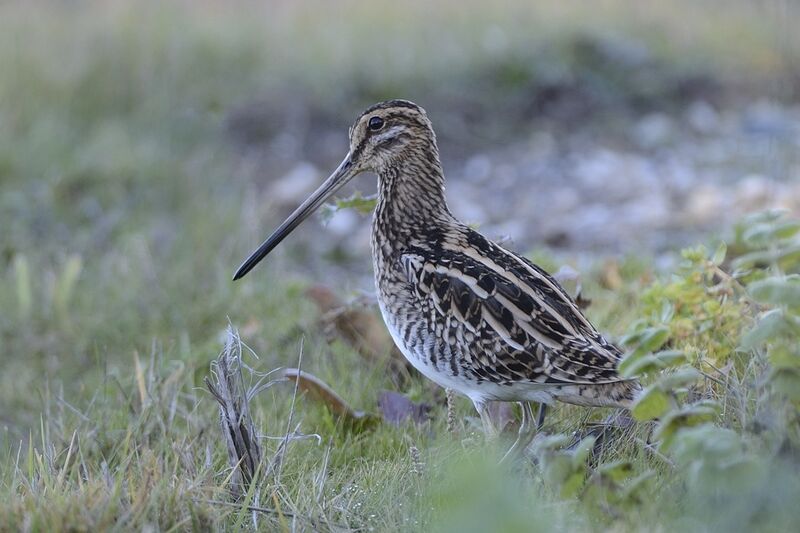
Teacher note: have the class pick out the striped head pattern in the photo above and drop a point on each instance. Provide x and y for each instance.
(389, 132)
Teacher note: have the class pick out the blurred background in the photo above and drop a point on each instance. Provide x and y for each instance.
(147, 147)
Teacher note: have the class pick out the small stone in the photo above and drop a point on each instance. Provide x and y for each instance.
(477, 169)
(767, 118)
(296, 185)
(564, 200)
(461, 199)
(653, 130)
(650, 212)
(344, 222)
(754, 192)
(702, 117)
(543, 144)
(596, 168)
(705, 204)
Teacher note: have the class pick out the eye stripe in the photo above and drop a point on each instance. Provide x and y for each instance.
(392, 132)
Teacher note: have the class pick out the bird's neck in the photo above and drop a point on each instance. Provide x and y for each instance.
(413, 185)
(411, 202)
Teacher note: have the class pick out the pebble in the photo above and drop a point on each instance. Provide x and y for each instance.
(653, 130)
(296, 185)
(344, 222)
(702, 117)
(705, 204)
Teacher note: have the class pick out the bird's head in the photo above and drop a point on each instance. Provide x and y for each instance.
(380, 138)
(387, 133)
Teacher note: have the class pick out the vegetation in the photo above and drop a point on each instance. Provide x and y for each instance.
(125, 205)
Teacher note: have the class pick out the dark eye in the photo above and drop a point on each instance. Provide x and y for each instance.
(375, 123)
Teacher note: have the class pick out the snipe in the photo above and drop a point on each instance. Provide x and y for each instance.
(467, 313)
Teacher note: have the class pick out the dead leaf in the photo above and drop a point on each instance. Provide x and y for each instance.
(396, 408)
(318, 390)
(325, 298)
(610, 278)
(358, 325)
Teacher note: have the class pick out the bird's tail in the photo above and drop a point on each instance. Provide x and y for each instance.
(616, 394)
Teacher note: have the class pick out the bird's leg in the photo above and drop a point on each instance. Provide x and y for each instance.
(540, 416)
(488, 424)
(526, 432)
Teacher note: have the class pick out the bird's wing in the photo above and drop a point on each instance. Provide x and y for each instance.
(519, 318)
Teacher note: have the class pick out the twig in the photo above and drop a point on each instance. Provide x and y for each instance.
(244, 453)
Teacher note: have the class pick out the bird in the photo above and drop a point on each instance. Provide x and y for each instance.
(469, 314)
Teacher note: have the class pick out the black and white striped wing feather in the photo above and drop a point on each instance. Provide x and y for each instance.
(510, 320)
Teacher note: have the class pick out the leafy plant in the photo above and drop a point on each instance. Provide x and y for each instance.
(363, 205)
(717, 350)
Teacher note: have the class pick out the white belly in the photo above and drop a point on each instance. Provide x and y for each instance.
(417, 360)
(477, 392)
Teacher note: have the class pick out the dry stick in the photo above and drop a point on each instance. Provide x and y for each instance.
(245, 415)
(238, 430)
(240, 436)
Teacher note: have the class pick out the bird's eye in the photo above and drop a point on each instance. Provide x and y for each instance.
(375, 123)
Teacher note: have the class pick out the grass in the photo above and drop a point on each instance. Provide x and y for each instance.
(126, 201)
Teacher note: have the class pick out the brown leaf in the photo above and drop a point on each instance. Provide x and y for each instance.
(358, 325)
(396, 408)
(318, 390)
(610, 278)
(325, 298)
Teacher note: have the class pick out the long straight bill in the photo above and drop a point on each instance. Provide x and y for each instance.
(340, 176)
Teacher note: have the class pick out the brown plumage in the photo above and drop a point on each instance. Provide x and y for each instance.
(467, 313)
